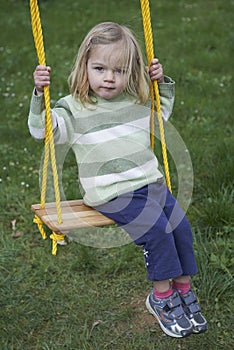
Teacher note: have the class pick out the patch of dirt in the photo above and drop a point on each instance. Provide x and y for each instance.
(140, 318)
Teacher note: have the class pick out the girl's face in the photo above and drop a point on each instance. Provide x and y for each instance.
(106, 74)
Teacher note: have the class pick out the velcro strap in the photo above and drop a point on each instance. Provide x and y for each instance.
(193, 308)
(190, 298)
(178, 311)
(174, 302)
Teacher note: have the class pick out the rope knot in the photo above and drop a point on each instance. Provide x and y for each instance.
(39, 223)
(56, 239)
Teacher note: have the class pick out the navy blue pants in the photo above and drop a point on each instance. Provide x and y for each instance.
(155, 221)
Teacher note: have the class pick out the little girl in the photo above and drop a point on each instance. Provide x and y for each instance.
(106, 121)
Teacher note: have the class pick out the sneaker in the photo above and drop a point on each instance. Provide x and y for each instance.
(193, 312)
(170, 315)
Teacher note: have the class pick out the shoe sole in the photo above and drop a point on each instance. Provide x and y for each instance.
(164, 329)
(195, 331)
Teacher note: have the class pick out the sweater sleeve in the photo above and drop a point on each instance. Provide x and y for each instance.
(167, 97)
(36, 118)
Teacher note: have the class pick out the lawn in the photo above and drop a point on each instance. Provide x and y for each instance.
(87, 297)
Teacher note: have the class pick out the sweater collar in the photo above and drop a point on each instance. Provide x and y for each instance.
(120, 98)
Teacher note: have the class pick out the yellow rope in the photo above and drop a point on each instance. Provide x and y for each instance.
(55, 238)
(39, 223)
(145, 9)
(49, 140)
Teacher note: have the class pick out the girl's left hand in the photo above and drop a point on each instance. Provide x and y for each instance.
(156, 71)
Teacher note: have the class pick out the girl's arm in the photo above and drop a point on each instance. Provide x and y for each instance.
(166, 88)
(36, 119)
(60, 114)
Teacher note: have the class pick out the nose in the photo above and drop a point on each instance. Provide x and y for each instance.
(109, 76)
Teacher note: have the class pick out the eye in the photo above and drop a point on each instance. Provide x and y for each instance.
(99, 68)
(120, 71)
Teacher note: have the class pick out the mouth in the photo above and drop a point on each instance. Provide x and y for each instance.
(108, 88)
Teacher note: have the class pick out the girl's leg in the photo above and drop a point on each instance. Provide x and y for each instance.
(183, 238)
(162, 286)
(181, 284)
(141, 214)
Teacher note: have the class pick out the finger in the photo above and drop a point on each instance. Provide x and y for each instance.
(45, 68)
(42, 81)
(42, 70)
(155, 61)
(41, 77)
(157, 74)
(155, 65)
(156, 69)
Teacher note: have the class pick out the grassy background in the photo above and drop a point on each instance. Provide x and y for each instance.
(87, 298)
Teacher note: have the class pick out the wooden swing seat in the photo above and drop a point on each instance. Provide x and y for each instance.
(75, 214)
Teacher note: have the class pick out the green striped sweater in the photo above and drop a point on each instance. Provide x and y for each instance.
(110, 140)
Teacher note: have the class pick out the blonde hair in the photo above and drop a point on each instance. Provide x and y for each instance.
(103, 34)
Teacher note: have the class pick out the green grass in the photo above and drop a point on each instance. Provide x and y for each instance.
(87, 298)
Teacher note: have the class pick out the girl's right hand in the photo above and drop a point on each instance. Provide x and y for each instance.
(41, 77)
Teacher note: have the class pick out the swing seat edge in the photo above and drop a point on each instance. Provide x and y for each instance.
(75, 215)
